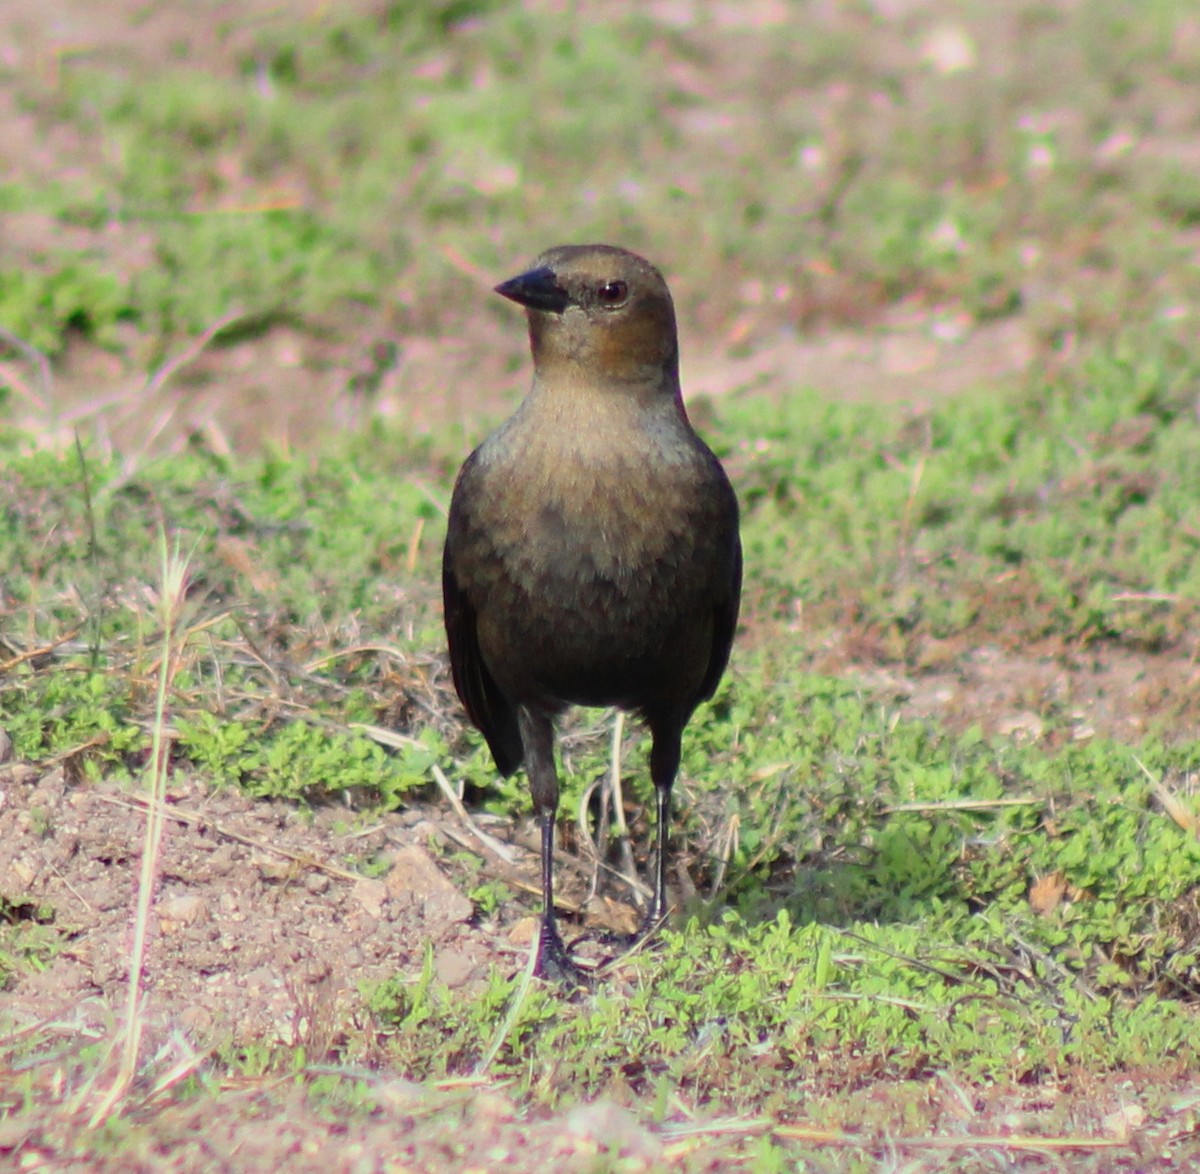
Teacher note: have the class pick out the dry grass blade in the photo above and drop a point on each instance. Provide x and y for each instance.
(729, 839)
(689, 1136)
(1171, 803)
(884, 1000)
(41, 399)
(962, 805)
(155, 381)
(191, 352)
(909, 960)
(357, 650)
(501, 851)
(1009, 1142)
(1176, 810)
(514, 1009)
(973, 1141)
(729, 1125)
(384, 737)
(612, 814)
(195, 819)
(172, 594)
(42, 650)
(616, 797)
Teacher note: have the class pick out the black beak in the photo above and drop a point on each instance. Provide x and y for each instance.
(538, 289)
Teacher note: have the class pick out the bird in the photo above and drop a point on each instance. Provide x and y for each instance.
(592, 554)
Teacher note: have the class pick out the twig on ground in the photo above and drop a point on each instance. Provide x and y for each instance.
(502, 851)
(1170, 802)
(962, 805)
(41, 365)
(195, 819)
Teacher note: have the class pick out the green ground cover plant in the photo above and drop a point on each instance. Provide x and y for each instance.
(873, 908)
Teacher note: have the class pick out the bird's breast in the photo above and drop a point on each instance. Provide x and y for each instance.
(608, 519)
(595, 563)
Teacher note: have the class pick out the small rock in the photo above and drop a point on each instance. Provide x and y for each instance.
(371, 894)
(1123, 1122)
(260, 981)
(1022, 725)
(615, 1130)
(19, 774)
(196, 1019)
(316, 883)
(523, 933)
(447, 907)
(413, 873)
(276, 868)
(185, 909)
(109, 970)
(454, 967)
(416, 879)
(23, 871)
(612, 915)
(491, 1108)
(221, 860)
(50, 789)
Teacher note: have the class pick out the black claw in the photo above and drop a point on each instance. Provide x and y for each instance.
(553, 962)
(623, 943)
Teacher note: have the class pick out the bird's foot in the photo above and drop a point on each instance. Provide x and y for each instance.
(623, 943)
(554, 962)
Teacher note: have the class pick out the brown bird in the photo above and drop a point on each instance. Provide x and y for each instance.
(592, 556)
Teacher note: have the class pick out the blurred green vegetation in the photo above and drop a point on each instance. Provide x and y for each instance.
(841, 155)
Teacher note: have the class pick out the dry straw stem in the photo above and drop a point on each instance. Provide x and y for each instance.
(514, 1010)
(979, 1141)
(136, 400)
(692, 1136)
(1171, 803)
(962, 805)
(612, 813)
(43, 398)
(35, 653)
(196, 819)
(502, 851)
(172, 594)
(729, 839)
(512, 879)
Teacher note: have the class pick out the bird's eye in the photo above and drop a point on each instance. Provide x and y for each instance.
(613, 294)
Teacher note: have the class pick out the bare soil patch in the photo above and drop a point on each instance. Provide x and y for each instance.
(260, 929)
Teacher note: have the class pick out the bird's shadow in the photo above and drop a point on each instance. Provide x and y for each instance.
(893, 876)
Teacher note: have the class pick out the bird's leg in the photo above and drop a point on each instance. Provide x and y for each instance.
(537, 734)
(664, 764)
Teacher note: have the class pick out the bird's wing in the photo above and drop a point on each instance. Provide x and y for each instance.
(725, 618)
(487, 707)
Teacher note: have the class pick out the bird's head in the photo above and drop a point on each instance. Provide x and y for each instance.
(598, 312)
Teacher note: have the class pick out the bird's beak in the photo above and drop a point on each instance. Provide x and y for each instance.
(538, 289)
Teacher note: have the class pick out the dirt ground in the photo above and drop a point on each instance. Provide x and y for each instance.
(262, 918)
(259, 930)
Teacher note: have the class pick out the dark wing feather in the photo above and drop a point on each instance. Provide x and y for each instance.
(487, 707)
(725, 618)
